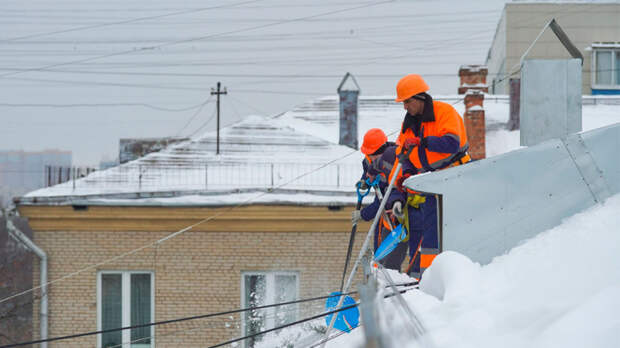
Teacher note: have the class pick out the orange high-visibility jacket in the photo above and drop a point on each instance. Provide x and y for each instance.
(444, 121)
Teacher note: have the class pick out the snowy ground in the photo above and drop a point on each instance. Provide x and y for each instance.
(559, 289)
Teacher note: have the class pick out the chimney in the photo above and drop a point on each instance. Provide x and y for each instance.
(348, 90)
(473, 77)
(474, 85)
(474, 123)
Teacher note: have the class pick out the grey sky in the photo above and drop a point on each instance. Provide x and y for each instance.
(78, 75)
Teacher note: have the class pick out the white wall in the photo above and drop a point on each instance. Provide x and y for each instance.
(491, 205)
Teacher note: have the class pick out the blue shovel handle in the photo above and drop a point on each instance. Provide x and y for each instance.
(370, 184)
(361, 195)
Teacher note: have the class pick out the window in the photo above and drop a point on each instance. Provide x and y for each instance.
(262, 288)
(125, 299)
(606, 68)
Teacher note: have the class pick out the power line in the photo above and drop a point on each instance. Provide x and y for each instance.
(200, 38)
(344, 308)
(204, 316)
(204, 124)
(231, 75)
(248, 105)
(123, 22)
(96, 105)
(194, 115)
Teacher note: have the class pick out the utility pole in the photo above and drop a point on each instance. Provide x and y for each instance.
(218, 93)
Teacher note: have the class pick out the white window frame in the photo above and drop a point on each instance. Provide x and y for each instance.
(270, 277)
(615, 85)
(125, 304)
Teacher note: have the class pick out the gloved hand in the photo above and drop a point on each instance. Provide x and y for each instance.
(400, 180)
(361, 184)
(355, 216)
(397, 210)
(411, 142)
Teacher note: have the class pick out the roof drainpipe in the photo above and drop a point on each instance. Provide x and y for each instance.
(43, 281)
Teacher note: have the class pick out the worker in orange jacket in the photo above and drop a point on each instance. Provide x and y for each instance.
(433, 134)
(378, 158)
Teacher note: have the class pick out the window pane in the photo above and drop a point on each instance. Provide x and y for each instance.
(285, 290)
(111, 309)
(617, 67)
(603, 68)
(255, 293)
(140, 309)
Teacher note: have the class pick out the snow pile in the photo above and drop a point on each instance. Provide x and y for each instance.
(559, 289)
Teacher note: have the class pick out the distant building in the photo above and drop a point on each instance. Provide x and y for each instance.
(21, 171)
(594, 28)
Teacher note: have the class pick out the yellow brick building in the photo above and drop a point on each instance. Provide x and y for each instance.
(198, 272)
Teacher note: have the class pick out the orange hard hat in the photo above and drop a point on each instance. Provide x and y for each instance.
(409, 86)
(373, 140)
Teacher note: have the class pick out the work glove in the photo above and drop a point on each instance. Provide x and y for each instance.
(411, 142)
(362, 185)
(397, 210)
(355, 216)
(400, 180)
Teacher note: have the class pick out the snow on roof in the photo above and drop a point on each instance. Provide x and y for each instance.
(537, 295)
(278, 197)
(295, 151)
(320, 117)
(257, 152)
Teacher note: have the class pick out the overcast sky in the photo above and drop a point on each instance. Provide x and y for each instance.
(78, 75)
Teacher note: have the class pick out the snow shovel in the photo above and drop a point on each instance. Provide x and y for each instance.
(346, 320)
(360, 196)
(398, 234)
(366, 244)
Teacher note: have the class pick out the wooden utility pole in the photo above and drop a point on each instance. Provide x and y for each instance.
(218, 93)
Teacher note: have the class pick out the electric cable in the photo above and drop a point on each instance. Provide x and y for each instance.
(200, 38)
(204, 316)
(235, 75)
(204, 124)
(195, 114)
(97, 105)
(87, 27)
(443, 42)
(343, 308)
(215, 325)
(248, 105)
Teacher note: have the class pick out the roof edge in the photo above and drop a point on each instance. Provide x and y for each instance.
(132, 198)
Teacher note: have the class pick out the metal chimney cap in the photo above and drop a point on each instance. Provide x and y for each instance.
(344, 80)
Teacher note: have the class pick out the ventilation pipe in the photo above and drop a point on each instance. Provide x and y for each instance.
(348, 91)
(43, 280)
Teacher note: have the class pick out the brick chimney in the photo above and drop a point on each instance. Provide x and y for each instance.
(474, 123)
(473, 77)
(474, 85)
